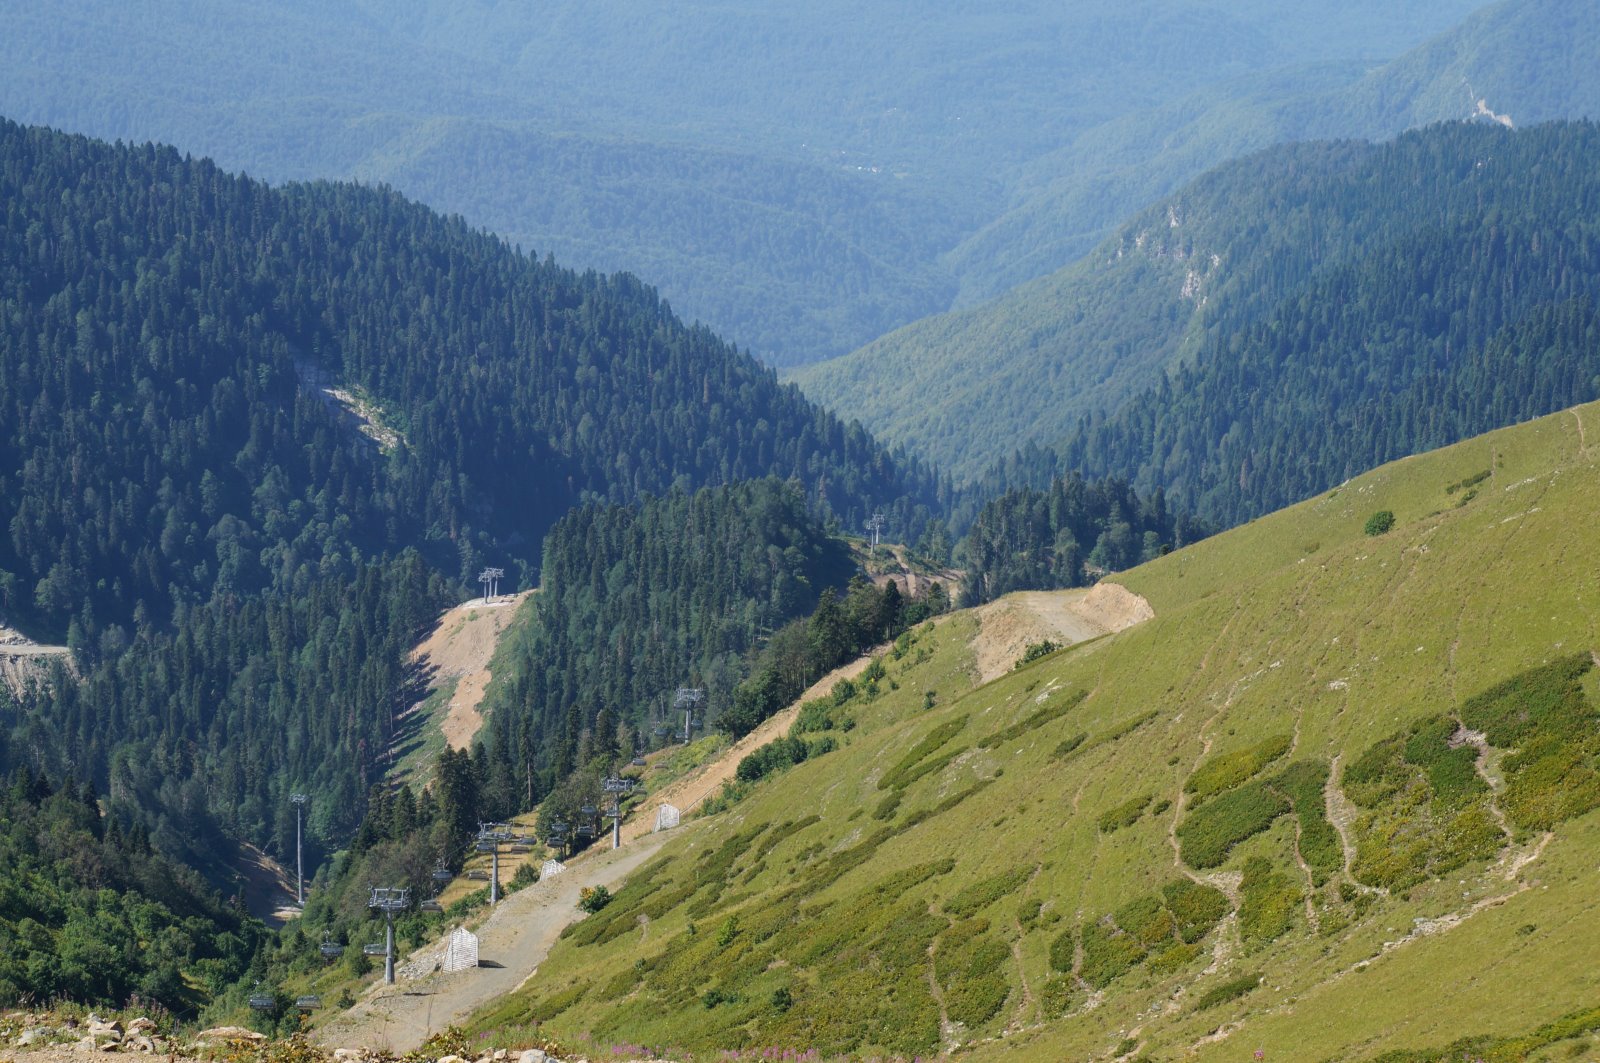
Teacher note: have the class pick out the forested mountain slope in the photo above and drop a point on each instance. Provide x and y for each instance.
(1285, 321)
(1337, 799)
(169, 330)
(791, 175)
(238, 566)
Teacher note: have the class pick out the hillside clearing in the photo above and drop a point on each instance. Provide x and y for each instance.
(453, 664)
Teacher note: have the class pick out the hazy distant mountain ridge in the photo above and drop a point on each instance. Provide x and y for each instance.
(789, 175)
(1188, 282)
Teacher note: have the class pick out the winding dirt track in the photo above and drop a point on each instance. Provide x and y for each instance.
(519, 934)
(512, 943)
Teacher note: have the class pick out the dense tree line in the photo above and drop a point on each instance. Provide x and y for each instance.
(635, 602)
(221, 547)
(90, 912)
(1067, 535)
(841, 628)
(200, 730)
(1393, 298)
(165, 329)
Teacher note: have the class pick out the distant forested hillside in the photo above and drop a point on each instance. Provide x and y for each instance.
(171, 333)
(252, 439)
(1405, 296)
(1282, 323)
(803, 178)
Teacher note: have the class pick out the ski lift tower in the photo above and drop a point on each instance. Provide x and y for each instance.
(688, 699)
(875, 526)
(490, 837)
(389, 900)
(616, 786)
(299, 802)
(490, 578)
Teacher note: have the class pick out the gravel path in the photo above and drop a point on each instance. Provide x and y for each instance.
(511, 944)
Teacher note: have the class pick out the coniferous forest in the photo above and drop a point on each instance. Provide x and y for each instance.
(1406, 295)
(253, 440)
(238, 569)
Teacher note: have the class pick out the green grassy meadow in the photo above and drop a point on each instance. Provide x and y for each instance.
(1133, 848)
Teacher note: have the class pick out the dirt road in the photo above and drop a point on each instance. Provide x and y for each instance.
(512, 943)
(686, 793)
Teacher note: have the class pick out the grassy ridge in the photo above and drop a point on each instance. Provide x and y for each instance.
(1299, 624)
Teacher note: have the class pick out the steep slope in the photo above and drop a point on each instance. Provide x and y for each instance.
(245, 428)
(187, 337)
(1521, 61)
(454, 663)
(1338, 797)
(1359, 290)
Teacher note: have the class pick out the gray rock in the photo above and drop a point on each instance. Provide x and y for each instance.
(533, 1055)
(229, 1033)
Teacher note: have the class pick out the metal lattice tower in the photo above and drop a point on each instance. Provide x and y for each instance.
(688, 699)
(490, 578)
(875, 526)
(490, 837)
(616, 786)
(299, 802)
(389, 900)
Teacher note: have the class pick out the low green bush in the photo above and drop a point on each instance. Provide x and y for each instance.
(1059, 995)
(1174, 957)
(1305, 784)
(1124, 815)
(1380, 522)
(930, 743)
(1057, 708)
(1107, 953)
(927, 767)
(1195, 906)
(782, 833)
(1267, 903)
(972, 899)
(1232, 989)
(888, 806)
(1068, 746)
(1227, 770)
(1063, 950)
(1126, 728)
(1148, 920)
(1210, 832)
(970, 966)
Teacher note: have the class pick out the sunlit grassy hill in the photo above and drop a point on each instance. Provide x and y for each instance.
(1334, 801)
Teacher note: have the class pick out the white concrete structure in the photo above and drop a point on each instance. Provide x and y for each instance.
(462, 952)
